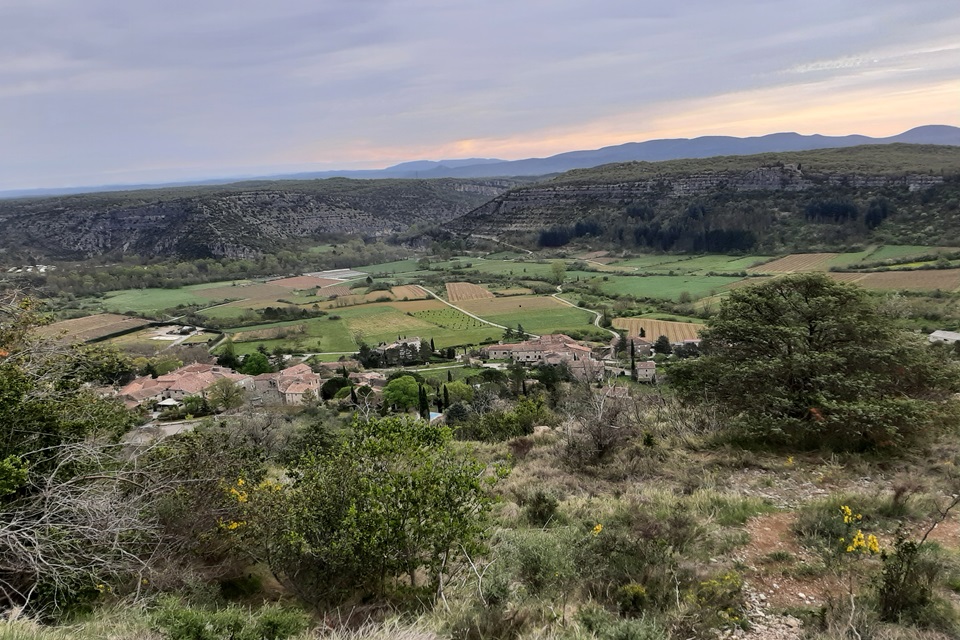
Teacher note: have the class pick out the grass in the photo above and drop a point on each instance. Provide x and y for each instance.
(663, 287)
(537, 314)
(693, 264)
(387, 268)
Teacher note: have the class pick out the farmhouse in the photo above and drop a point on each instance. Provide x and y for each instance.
(288, 386)
(646, 371)
(403, 351)
(541, 350)
(186, 381)
(372, 379)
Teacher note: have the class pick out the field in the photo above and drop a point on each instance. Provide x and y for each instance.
(92, 327)
(541, 314)
(338, 290)
(304, 282)
(447, 318)
(461, 291)
(675, 331)
(387, 268)
(797, 263)
(926, 280)
(664, 287)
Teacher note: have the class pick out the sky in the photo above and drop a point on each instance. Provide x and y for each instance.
(115, 92)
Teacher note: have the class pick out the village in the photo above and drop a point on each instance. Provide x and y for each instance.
(215, 387)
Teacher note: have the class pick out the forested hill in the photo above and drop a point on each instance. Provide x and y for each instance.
(800, 200)
(236, 221)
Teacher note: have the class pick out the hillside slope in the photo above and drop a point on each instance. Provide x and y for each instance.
(799, 200)
(239, 220)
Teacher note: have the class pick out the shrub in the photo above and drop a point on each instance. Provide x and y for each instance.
(541, 508)
(177, 621)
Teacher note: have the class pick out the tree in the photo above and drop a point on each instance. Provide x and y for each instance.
(423, 403)
(457, 392)
(662, 346)
(225, 394)
(330, 388)
(559, 271)
(392, 499)
(402, 392)
(228, 356)
(809, 361)
(255, 363)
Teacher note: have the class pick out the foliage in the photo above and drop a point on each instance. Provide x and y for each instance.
(389, 500)
(177, 621)
(330, 388)
(809, 361)
(402, 392)
(255, 363)
(225, 394)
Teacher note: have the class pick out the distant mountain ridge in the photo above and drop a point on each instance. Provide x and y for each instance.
(650, 151)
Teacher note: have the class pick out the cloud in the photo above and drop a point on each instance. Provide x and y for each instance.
(155, 89)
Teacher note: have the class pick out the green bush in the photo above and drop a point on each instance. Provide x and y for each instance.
(541, 508)
(177, 621)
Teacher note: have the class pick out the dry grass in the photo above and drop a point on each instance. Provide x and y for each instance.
(498, 306)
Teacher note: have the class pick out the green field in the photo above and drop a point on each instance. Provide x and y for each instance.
(153, 301)
(664, 287)
(387, 268)
(450, 319)
(370, 323)
(560, 320)
(694, 264)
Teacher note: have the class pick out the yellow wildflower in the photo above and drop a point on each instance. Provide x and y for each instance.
(789, 461)
(597, 529)
(873, 545)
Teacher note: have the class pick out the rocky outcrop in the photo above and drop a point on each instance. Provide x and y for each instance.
(234, 222)
(539, 206)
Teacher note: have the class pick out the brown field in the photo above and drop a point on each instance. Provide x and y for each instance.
(926, 280)
(266, 292)
(338, 291)
(403, 292)
(847, 277)
(304, 282)
(497, 306)
(797, 263)
(746, 282)
(92, 327)
(675, 331)
(409, 292)
(461, 291)
(272, 333)
(515, 291)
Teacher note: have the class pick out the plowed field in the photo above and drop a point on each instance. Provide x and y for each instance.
(797, 263)
(925, 280)
(460, 291)
(675, 331)
(92, 327)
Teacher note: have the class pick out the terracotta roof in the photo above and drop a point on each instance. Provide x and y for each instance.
(298, 369)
